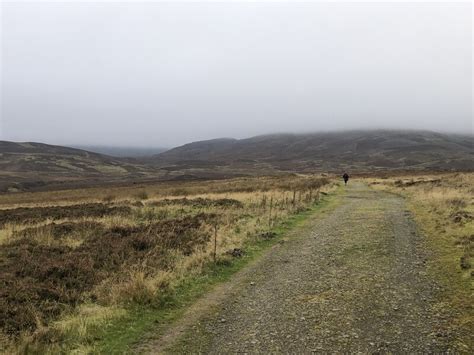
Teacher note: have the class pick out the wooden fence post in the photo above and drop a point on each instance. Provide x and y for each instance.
(270, 214)
(215, 242)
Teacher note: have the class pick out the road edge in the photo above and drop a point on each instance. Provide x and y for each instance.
(165, 334)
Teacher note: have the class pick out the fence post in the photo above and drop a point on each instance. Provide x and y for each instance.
(270, 214)
(215, 242)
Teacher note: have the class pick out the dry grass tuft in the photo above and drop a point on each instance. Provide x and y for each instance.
(142, 195)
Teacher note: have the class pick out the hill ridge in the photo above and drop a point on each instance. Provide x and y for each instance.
(352, 148)
(33, 165)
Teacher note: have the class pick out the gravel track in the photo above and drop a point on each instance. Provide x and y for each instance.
(355, 282)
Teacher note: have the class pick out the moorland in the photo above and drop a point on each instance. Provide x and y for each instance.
(36, 166)
(78, 260)
(98, 251)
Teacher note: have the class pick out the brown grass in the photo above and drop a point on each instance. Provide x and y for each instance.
(50, 277)
(30, 215)
(160, 189)
(68, 251)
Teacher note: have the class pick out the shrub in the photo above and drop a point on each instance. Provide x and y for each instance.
(108, 198)
(142, 195)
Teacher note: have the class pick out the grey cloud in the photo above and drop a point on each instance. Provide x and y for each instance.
(163, 74)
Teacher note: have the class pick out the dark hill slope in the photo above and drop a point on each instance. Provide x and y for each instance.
(25, 166)
(365, 150)
(38, 157)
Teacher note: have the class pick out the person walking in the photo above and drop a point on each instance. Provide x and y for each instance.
(346, 178)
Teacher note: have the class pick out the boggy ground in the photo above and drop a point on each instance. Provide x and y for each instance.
(357, 282)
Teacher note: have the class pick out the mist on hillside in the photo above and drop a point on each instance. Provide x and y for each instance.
(164, 74)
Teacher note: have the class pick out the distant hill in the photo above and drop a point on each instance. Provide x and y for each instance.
(122, 152)
(25, 166)
(41, 157)
(333, 151)
(36, 166)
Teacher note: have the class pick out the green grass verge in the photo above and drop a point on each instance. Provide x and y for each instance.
(120, 336)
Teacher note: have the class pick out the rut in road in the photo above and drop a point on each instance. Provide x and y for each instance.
(355, 282)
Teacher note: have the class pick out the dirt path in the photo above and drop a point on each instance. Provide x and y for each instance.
(355, 282)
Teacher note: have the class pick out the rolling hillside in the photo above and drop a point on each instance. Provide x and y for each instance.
(26, 166)
(122, 152)
(33, 166)
(352, 150)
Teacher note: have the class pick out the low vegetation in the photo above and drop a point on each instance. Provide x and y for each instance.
(38, 214)
(443, 206)
(73, 262)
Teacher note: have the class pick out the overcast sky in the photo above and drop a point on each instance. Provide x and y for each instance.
(163, 74)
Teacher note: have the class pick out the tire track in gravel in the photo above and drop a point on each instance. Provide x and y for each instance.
(356, 282)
